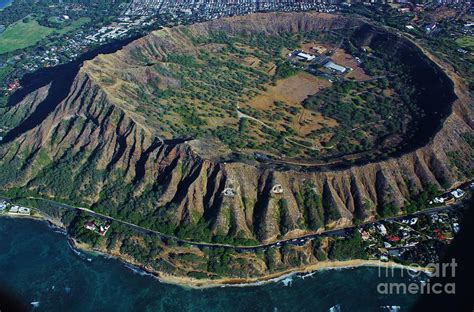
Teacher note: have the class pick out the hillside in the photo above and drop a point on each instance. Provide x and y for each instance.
(111, 142)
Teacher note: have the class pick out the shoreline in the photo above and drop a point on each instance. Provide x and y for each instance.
(280, 276)
(193, 283)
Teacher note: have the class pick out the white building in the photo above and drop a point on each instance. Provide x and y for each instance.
(382, 229)
(458, 193)
(305, 56)
(335, 67)
(24, 211)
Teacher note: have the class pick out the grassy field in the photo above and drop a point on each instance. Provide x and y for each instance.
(22, 34)
(71, 26)
(466, 42)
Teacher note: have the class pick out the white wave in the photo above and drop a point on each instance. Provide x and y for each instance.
(137, 270)
(35, 304)
(308, 275)
(391, 308)
(336, 308)
(77, 252)
(287, 281)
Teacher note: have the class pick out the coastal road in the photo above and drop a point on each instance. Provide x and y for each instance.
(300, 240)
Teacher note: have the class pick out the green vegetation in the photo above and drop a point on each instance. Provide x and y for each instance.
(220, 260)
(348, 248)
(419, 201)
(367, 111)
(22, 34)
(312, 205)
(466, 42)
(69, 26)
(284, 217)
(389, 210)
(284, 70)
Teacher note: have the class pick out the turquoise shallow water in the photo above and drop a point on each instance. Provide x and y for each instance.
(37, 264)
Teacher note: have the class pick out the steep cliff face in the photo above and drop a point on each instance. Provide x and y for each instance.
(98, 148)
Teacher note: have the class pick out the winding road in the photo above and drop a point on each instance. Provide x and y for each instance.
(300, 240)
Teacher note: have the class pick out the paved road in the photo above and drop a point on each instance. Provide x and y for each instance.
(295, 241)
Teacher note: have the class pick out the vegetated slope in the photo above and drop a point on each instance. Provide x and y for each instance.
(98, 147)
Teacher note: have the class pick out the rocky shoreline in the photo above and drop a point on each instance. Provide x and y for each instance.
(245, 282)
(209, 283)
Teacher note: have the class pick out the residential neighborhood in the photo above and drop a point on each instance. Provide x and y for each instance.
(133, 19)
(415, 239)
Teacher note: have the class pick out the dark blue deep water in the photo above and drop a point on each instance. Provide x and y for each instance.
(37, 265)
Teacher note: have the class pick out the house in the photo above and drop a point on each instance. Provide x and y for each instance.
(393, 238)
(439, 234)
(12, 86)
(456, 227)
(457, 193)
(319, 49)
(14, 209)
(333, 66)
(382, 229)
(404, 10)
(430, 27)
(394, 253)
(103, 229)
(24, 211)
(90, 225)
(365, 235)
(438, 200)
(404, 234)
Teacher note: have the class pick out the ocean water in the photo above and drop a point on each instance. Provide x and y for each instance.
(4, 3)
(38, 266)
